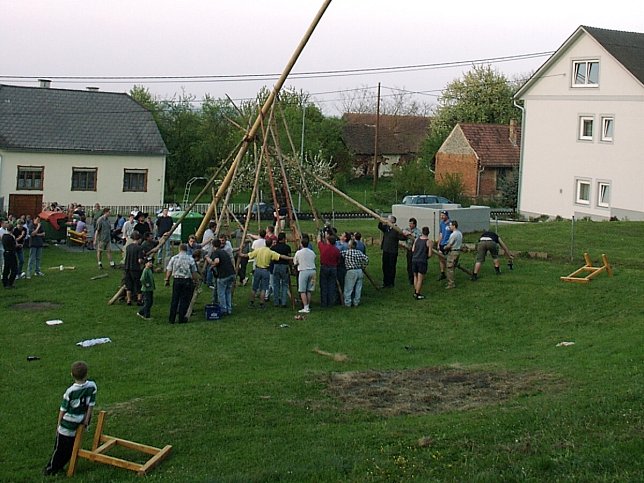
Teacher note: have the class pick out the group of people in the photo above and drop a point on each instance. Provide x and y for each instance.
(342, 262)
(17, 235)
(420, 248)
(342, 259)
(340, 271)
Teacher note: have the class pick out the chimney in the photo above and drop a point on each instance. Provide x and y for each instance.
(44, 83)
(90, 88)
(513, 132)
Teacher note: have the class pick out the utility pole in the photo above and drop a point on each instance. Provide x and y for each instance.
(375, 147)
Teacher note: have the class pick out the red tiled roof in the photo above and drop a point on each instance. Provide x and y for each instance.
(491, 142)
(398, 134)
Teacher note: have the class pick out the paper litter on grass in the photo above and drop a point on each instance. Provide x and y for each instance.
(54, 322)
(564, 344)
(91, 342)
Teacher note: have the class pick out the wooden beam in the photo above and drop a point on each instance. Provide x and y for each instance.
(252, 132)
(155, 460)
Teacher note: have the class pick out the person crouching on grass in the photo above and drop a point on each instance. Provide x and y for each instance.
(74, 415)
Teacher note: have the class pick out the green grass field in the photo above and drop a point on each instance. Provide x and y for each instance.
(466, 385)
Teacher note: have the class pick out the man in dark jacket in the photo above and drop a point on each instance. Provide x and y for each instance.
(389, 247)
(10, 260)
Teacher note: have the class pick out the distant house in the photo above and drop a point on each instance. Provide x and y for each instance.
(399, 140)
(77, 146)
(481, 155)
(583, 144)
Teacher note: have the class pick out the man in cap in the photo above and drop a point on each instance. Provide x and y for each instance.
(142, 226)
(443, 237)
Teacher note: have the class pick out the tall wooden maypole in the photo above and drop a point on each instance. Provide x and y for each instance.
(252, 132)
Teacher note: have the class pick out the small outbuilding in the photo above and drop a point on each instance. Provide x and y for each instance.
(482, 155)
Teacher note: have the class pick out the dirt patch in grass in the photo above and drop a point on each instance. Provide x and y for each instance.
(429, 390)
(36, 306)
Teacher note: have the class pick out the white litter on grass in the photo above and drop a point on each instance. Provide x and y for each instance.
(564, 344)
(91, 342)
(54, 322)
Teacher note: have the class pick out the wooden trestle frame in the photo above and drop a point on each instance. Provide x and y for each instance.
(590, 270)
(107, 442)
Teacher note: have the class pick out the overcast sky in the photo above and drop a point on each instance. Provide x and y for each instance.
(126, 38)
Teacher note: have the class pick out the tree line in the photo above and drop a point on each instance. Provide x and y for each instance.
(201, 135)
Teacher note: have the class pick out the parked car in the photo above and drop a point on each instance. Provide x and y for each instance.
(264, 209)
(424, 200)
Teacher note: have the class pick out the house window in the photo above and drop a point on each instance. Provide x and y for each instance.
(607, 128)
(586, 128)
(30, 177)
(583, 192)
(84, 179)
(585, 73)
(135, 180)
(603, 194)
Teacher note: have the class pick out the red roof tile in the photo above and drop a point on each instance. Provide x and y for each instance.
(491, 142)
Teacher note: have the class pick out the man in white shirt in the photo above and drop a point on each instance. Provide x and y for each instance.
(209, 234)
(304, 260)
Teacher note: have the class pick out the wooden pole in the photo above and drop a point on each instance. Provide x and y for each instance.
(167, 235)
(375, 146)
(252, 132)
(351, 200)
(376, 215)
(307, 194)
(289, 199)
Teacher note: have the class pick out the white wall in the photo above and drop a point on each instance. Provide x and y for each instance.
(58, 177)
(553, 156)
(474, 218)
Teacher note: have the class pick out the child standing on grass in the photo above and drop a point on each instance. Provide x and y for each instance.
(147, 289)
(75, 414)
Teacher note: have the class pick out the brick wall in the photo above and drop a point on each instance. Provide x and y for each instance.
(488, 182)
(464, 165)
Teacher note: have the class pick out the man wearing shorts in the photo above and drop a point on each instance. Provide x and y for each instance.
(421, 250)
(304, 260)
(489, 242)
(103, 237)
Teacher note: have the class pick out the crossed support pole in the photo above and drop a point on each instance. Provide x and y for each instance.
(98, 455)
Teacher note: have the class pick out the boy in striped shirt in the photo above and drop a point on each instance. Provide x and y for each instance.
(75, 413)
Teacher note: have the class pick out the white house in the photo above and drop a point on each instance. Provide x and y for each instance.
(583, 129)
(77, 146)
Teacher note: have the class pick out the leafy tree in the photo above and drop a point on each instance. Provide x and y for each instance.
(200, 138)
(509, 187)
(322, 149)
(451, 187)
(483, 95)
(413, 178)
